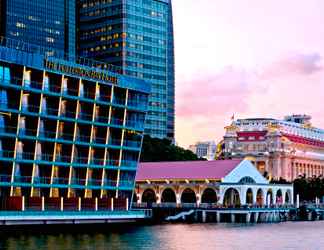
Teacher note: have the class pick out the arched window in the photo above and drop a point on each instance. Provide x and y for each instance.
(148, 196)
(188, 196)
(246, 180)
(209, 196)
(168, 196)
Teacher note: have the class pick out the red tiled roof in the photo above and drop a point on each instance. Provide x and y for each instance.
(303, 140)
(189, 170)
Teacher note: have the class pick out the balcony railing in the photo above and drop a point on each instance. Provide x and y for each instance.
(56, 90)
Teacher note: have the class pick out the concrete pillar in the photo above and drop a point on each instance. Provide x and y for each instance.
(43, 203)
(274, 197)
(62, 204)
(79, 204)
(178, 197)
(248, 217)
(233, 218)
(218, 217)
(198, 198)
(297, 201)
(158, 198)
(23, 203)
(256, 217)
(139, 198)
(203, 216)
(242, 193)
(268, 199)
(255, 192)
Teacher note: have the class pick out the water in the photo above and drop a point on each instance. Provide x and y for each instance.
(290, 235)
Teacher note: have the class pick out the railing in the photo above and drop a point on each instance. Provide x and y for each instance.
(50, 88)
(67, 159)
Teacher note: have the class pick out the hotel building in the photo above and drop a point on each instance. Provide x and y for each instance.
(46, 23)
(68, 132)
(136, 35)
(279, 148)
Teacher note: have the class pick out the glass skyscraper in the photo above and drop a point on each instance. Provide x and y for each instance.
(46, 23)
(136, 35)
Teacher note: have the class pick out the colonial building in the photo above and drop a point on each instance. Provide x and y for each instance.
(205, 150)
(279, 148)
(212, 183)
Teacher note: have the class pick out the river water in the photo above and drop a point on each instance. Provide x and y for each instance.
(289, 235)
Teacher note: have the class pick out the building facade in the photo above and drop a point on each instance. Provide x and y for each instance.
(280, 148)
(137, 36)
(67, 131)
(206, 150)
(225, 183)
(45, 23)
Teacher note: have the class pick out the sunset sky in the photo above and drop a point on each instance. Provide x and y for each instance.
(249, 58)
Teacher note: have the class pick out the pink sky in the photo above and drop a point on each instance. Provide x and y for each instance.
(251, 58)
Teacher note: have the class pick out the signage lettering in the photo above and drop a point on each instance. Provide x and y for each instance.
(101, 76)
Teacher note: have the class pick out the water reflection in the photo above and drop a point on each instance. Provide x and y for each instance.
(299, 235)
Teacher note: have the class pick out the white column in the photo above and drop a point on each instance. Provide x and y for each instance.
(43, 203)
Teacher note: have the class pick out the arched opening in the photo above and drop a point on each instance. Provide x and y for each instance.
(168, 196)
(209, 196)
(269, 197)
(232, 198)
(149, 196)
(259, 198)
(247, 180)
(188, 196)
(249, 196)
(279, 198)
(288, 197)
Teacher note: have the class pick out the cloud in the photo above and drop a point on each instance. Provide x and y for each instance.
(292, 84)
(212, 94)
(295, 64)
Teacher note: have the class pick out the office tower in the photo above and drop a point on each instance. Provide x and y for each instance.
(46, 23)
(69, 133)
(136, 35)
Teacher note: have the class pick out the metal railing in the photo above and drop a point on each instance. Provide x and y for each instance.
(49, 88)
(28, 156)
(29, 180)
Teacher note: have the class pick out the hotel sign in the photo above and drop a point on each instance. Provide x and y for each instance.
(80, 72)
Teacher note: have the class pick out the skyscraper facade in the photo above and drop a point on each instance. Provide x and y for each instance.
(136, 35)
(46, 23)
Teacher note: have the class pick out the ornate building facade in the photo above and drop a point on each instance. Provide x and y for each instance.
(279, 148)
